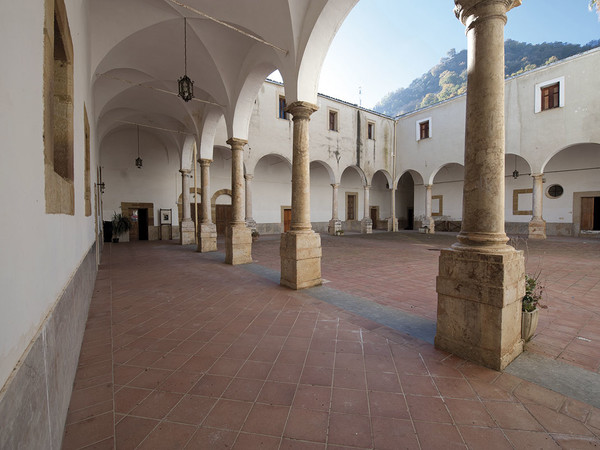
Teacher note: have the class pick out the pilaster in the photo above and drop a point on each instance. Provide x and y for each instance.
(366, 224)
(207, 231)
(187, 228)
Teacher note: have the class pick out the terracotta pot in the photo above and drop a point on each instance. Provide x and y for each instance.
(529, 322)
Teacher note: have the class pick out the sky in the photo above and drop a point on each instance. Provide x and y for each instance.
(385, 44)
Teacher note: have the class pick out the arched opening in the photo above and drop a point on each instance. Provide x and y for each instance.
(321, 178)
(405, 199)
(379, 200)
(446, 197)
(519, 194)
(571, 197)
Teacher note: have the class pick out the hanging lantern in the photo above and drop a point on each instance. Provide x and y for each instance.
(186, 86)
(515, 172)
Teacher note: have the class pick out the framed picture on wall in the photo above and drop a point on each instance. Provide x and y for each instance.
(165, 217)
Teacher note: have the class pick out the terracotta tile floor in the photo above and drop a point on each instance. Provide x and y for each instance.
(184, 351)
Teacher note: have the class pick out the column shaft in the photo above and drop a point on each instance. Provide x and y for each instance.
(300, 248)
(250, 222)
(334, 202)
(207, 231)
(185, 194)
(537, 225)
(429, 222)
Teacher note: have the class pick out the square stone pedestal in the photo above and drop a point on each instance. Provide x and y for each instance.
(392, 224)
(479, 305)
(366, 226)
(238, 245)
(537, 229)
(335, 226)
(186, 234)
(207, 238)
(300, 259)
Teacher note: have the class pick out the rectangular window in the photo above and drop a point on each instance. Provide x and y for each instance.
(551, 96)
(58, 110)
(424, 130)
(370, 130)
(351, 207)
(333, 120)
(282, 105)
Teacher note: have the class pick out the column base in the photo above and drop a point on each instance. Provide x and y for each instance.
(392, 224)
(335, 227)
(300, 259)
(537, 229)
(366, 226)
(186, 232)
(238, 245)
(479, 305)
(207, 238)
(251, 223)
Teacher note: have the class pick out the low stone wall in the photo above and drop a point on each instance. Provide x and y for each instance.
(35, 400)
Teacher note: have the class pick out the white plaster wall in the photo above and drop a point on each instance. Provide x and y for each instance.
(448, 182)
(351, 182)
(321, 194)
(271, 189)
(157, 182)
(380, 196)
(40, 252)
(220, 174)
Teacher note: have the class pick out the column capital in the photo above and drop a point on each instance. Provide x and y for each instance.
(428, 186)
(205, 162)
(249, 176)
(184, 171)
(537, 175)
(471, 11)
(335, 185)
(301, 110)
(236, 143)
(367, 187)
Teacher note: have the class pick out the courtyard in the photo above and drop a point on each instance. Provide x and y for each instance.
(184, 351)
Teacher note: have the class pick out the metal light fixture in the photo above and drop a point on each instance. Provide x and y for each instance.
(102, 186)
(186, 86)
(515, 172)
(138, 160)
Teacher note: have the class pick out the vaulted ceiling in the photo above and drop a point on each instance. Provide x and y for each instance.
(137, 56)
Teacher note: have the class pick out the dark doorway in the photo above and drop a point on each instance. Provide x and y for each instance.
(410, 213)
(107, 226)
(143, 224)
(590, 213)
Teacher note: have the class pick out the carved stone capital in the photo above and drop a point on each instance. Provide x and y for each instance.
(236, 143)
(184, 171)
(249, 176)
(205, 162)
(301, 110)
(469, 12)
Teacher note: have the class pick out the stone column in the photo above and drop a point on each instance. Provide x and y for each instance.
(481, 279)
(207, 231)
(300, 248)
(250, 222)
(366, 224)
(428, 222)
(537, 225)
(335, 224)
(238, 240)
(393, 220)
(186, 225)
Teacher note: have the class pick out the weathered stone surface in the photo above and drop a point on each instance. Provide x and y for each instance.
(186, 235)
(479, 305)
(207, 238)
(238, 245)
(300, 259)
(537, 229)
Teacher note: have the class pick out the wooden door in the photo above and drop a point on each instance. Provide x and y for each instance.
(134, 232)
(287, 219)
(223, 215)
(374, 217)
(587, 213)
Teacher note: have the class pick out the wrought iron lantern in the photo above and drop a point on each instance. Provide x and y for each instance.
(102, 187)
(515, 172)
(138, 160)
(186, 86)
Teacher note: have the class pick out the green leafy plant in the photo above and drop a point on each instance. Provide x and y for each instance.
(120, 224)
(534, 291)
(255, 234)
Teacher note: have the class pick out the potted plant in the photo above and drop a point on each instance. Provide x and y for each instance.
(531, 301)
(120, 224)
(255, 234)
